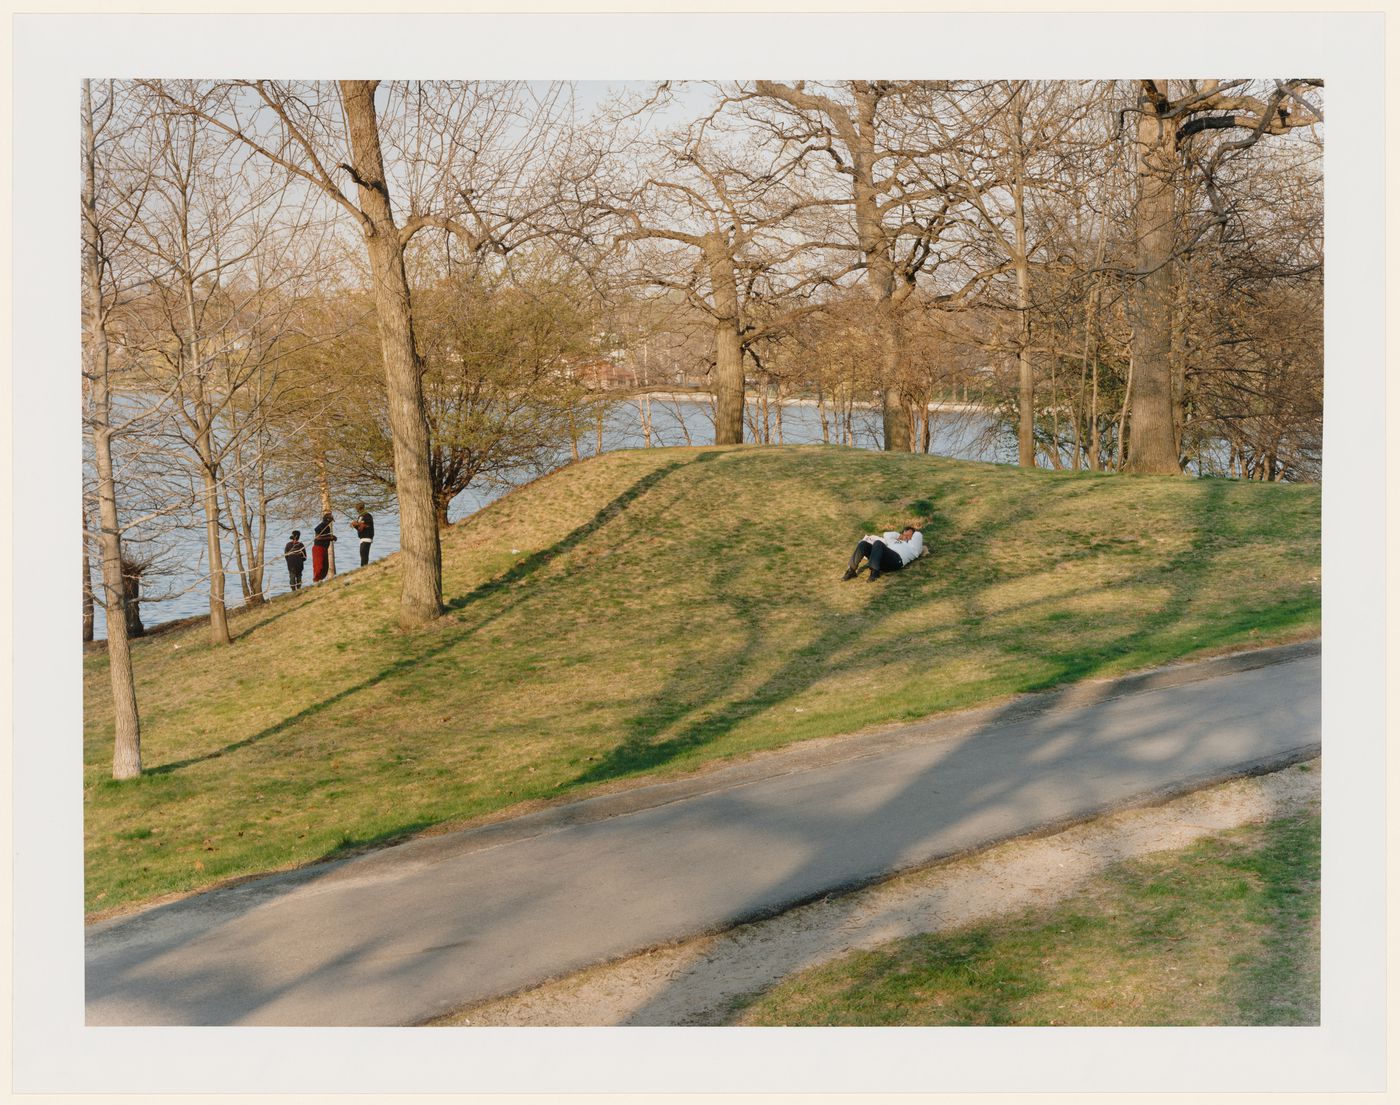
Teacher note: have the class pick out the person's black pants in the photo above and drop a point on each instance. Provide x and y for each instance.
(364, 553)
(295, 575)
(880, 555)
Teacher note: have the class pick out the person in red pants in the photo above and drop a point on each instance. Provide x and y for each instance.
(321, 549)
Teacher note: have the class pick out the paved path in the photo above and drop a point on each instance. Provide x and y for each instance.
(411, 932)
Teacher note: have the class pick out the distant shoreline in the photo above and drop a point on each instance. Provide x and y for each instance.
(673, 396)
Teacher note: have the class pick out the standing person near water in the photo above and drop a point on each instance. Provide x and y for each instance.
(887, 553)
(364, 526)
(295, 552)
(321, 548)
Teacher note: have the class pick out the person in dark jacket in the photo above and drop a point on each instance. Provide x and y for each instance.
(321, 548)
(295, 552)
(364, 526)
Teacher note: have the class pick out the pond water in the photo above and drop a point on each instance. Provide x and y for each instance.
(183, 590)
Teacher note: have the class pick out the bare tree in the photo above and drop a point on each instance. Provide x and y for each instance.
(434, 130)
(711, 218)
(1166, 144)
(1028, 135)
(901, 200)
(103, 225)
(497, 383)
(302, 137)
(219, 234)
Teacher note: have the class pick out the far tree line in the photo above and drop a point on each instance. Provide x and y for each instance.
(295, 289)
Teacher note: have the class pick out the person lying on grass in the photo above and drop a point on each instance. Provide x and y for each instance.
(887, 553)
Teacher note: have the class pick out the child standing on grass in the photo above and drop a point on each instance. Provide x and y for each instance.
(295, 552)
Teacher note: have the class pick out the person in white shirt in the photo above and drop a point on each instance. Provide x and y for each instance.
(887, 553)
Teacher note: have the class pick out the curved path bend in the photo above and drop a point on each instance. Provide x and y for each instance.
(408, 933)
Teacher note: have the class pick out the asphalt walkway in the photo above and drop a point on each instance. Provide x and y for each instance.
(411, 932)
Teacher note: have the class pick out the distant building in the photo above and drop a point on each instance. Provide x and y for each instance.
(602, 375)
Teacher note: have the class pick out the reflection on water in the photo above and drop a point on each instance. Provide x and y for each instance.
(628, 425)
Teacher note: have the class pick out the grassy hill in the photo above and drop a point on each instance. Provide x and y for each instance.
(650, 610)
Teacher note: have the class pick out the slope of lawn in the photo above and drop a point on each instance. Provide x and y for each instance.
(647, 611)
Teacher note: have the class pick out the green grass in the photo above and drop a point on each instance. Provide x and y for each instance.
(648, 611)
(1223, 933)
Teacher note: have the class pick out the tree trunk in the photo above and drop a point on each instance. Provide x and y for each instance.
(131, 582)
(729, 348)
(1056, 461)
(244, 582)
(126, 751)
(1123, 420)
(896, 417)
(876, 245)
(248, 542)
(1180, 307)
(257, 553)
(420, 601)
(1025, 393)
(323, 482)
(208, 470)
(1091, 313)
(1025, 399)
(1094, 464)
(209, 460)
(440, 505)
(89, 606)
(1154, 436)
(218, 615)
(250, 536)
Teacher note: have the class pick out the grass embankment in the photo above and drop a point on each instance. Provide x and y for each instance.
(651, 610)
(1223, 933)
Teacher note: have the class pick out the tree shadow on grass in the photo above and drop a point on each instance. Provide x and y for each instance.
(1276, 985)
(712, 718)
(535, 561)
(351, 844)
(289, 608)
(452, 637)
